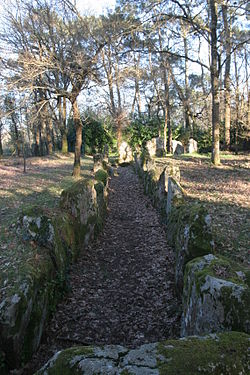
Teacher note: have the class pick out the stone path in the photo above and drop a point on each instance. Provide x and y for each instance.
(122, 288)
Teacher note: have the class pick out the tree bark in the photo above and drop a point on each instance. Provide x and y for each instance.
(164, 64)
(1, 143)
(64, 128)
(237, 104)
(119, 131)
(78, 144)
(49, 135)
(188, 121)
(215, 86)
(227, 83)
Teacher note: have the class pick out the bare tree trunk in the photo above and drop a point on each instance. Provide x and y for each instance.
(78, 144)
(227, 83)
(119, 131)
(215, 86)
(64, 128)
(237, 104)
(188, 121)
(49, 130)
(36, 140)
(248, 92)
(166, 105)
(169, 128)
(1, 143)
(42, 125)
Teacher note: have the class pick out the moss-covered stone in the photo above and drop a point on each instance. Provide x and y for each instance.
(175, 195)
(20, 331)
(218, 354)
(80, 200)
(189, 232)
(216, 296)
(102, 176)
(37, 226)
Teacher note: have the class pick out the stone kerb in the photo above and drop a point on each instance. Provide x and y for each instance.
(210, 303)
(155, 147)
(177, 147)
(192, 146)
(213, 354)
(98, 160)
(216, 296)
(58, 238)
(125, 153)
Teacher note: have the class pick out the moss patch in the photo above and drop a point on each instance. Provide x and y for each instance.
(61, 362)
(102, 176)
(219, 354)
(216, 296)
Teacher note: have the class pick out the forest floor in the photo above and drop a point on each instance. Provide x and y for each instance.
(225, 191)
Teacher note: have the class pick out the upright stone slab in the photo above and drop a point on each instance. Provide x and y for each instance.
(106, 153)
(179, 150)
(174, 147)
(189, 231)
(98, 159)
(175, 194)
(160, 152)
(151, 147)
(171, 170)
(125, 153)
(192, 146)
(155, 147)
(216, 296)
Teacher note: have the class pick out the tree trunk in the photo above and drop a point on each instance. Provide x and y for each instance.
(78, 144)
(186, 104)
(227, 94)
(64, 128)
(36, 141)
(49, 135)
(237, 104)
(41, 139)
(215, 86)
(1, 144)
(169, 129)
(64, 143)
(248, 91)
(119, 131)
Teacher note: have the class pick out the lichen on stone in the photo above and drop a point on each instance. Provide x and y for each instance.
(213, 354)
(215, 296)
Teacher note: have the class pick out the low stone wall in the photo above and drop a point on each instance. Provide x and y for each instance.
(214, 354)
(215, 291)
(57, 237)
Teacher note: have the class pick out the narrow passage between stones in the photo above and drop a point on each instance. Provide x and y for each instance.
(122, 287)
